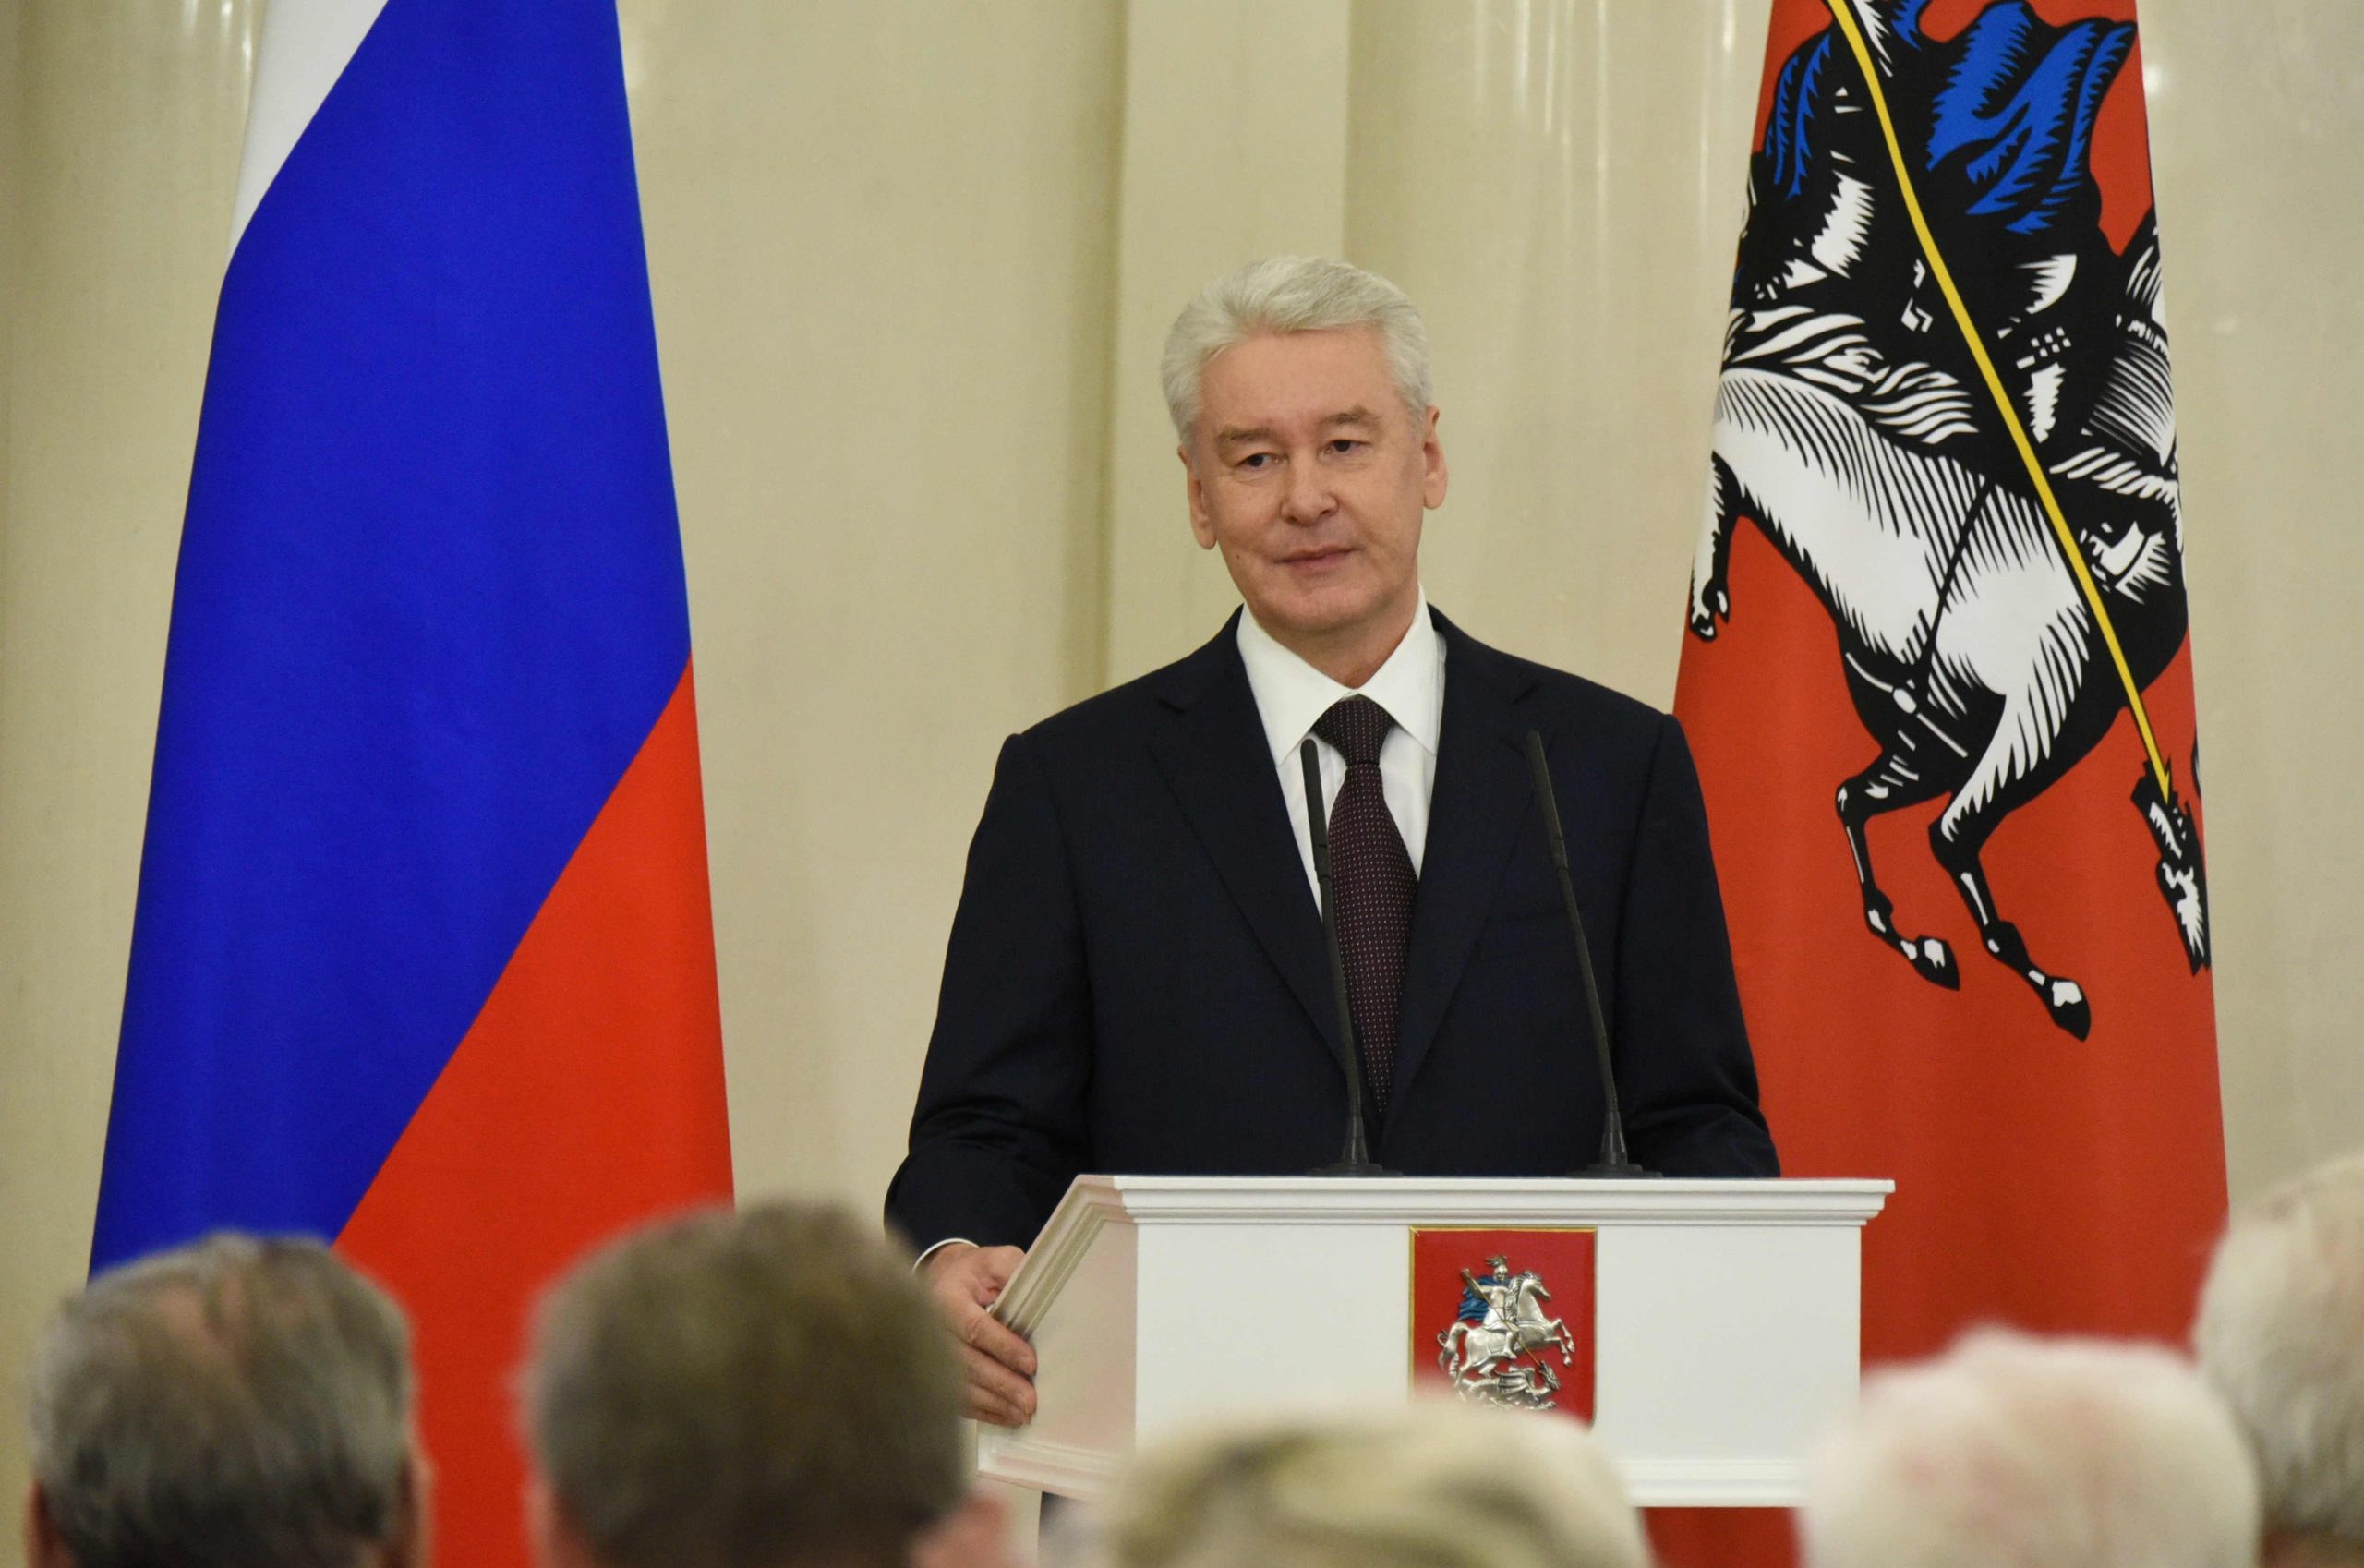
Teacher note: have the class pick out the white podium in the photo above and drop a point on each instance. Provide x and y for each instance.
(1727, 1315)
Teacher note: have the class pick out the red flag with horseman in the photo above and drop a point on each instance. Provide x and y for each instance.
(1937, 670)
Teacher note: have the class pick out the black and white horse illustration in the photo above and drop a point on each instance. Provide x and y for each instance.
(1852, 424)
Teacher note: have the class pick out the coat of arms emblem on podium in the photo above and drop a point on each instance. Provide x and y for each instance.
(1493, 1331)
(1496, 1349)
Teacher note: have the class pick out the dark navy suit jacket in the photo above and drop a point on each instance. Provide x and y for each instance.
(1136, 980)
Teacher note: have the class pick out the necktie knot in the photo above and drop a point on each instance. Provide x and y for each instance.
(1358, 726)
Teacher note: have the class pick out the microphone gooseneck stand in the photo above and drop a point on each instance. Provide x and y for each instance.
(1613, 1160)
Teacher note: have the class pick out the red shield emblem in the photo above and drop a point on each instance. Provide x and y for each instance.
(1505, 1317)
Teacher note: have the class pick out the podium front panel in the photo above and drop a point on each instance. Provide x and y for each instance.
(1727, 1316)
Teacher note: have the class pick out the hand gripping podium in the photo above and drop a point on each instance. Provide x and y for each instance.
(1721, 1318)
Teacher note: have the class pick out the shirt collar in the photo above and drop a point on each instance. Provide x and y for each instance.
(1291, 695)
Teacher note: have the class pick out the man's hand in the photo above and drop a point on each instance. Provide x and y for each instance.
(965, 1281)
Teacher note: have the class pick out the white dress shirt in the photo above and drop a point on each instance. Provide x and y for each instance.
(1291, 696)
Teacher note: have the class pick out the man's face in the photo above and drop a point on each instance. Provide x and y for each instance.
(1310, 476)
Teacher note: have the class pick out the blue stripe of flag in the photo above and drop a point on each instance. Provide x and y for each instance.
(429, 603)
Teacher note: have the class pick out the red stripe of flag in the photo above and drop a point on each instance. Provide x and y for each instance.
(587, 1096)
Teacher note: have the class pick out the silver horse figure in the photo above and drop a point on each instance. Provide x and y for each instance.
(1484, 1357)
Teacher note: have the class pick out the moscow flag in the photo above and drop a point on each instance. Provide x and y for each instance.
(423, 960)
(1938, 676)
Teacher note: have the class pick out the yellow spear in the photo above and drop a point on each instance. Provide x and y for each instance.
(1843, 12)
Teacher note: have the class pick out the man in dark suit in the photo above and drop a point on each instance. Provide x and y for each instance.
(1137, 979)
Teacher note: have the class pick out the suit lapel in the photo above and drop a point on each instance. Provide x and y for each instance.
(1216, 761)
(1481, 797)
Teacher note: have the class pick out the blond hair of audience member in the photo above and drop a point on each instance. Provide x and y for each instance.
(2015, 1452)
(1432, 1486)
(769, 1389)
(2281, 1334)
(232, 1404)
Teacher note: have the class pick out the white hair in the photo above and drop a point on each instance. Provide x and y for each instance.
(1435, 1484)
(2281, 1334)
(233, 1402)
(1292, 294)
(2014, 1452)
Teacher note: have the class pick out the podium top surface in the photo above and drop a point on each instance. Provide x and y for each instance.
(1095, 1202)
(1504, 1201)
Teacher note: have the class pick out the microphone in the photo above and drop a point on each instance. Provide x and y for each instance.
(1354, 1158)
(1613, 1160)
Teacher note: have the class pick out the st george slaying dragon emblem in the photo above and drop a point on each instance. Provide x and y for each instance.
(1493, 1350)
(1945, 400)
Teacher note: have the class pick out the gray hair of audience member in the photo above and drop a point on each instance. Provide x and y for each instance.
(1436, 1485)
(232, 1404)
(2009, 1451)
(746, 1391)
(1292, 294)
(2281, 1334)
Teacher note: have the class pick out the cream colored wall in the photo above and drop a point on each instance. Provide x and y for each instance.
(2255, 114)
(18, 1295)
(1236, 116)
(912, 261)
(9, 20)
(880, 246)
(125, 117)
(1560, 187)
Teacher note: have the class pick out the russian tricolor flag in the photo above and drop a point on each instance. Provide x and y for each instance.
(424, 958)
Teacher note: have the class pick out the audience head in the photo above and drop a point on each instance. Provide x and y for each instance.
(2013, 1453)
(767, 1389)
(2281, 1334)
(232, 1404)
(1432, 1486)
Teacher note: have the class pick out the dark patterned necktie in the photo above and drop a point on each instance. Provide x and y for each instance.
(1371, 887)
